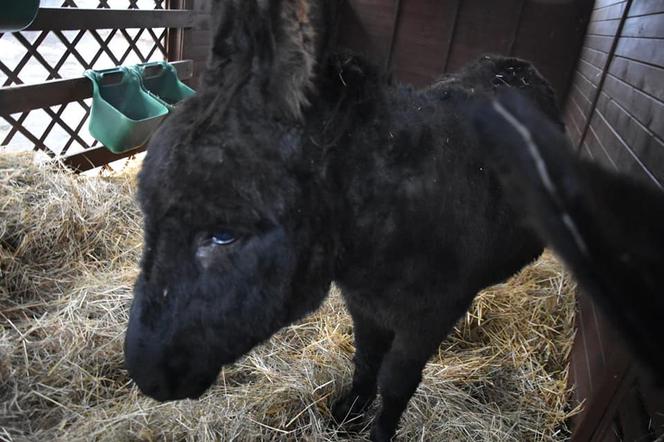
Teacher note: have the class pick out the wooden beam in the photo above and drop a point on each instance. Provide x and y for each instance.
(451, 34)
(517, 28)
(393, 37)
(36, 96)
(96, 157)
(175, 35)
(67, 19)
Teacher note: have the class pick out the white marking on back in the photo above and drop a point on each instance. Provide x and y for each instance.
(543, 172)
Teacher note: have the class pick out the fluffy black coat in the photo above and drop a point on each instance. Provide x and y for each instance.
(295, 167)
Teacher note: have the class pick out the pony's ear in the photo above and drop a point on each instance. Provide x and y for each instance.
(272, 47)
(608, 228)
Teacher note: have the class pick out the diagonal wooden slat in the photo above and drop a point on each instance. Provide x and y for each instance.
(102, 49)
(26, 58)
(56, 118)
(132, 45)
(14, 129)
(158, 45)
(39, 143)
(52, 124)
(34, 51)
(65, 126)
(18, 125)
(82, 61)
(70, 48)
(78, 128)
(103, 44)
(9, 73)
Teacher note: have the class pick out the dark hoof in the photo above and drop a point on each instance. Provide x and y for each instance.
(348, 412)
(380, 435)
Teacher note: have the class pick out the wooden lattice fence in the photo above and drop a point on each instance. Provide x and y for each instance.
(44, 100)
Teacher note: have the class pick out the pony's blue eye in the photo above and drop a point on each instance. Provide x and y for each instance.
(223, 238)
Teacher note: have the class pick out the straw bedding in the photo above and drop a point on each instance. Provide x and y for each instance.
(69, 248)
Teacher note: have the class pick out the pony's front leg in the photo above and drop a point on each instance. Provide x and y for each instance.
(372, 341)
(401, 370)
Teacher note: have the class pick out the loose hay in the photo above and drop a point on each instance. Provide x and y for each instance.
(69, 248)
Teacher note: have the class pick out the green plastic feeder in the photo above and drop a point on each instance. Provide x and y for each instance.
(161, 80)
(123, 115)
(16, 15)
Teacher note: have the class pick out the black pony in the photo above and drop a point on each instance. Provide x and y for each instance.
(296, 166)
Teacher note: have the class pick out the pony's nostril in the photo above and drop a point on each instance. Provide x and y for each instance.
(196, 386)
(202, 383)
(156, 390)
(151, 389)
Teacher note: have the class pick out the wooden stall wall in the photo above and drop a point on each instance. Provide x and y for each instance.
(194, 42)
(615, 116)
(418, 40)
(615, 113)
